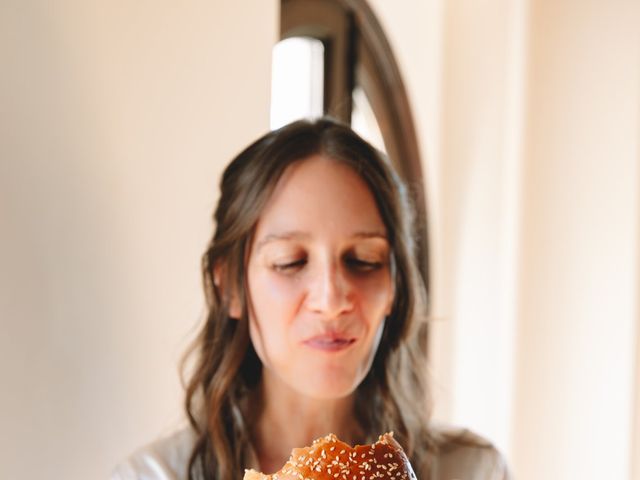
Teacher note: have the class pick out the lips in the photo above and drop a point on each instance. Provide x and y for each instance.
(329, 343)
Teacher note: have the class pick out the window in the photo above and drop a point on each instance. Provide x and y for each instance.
(297, 87)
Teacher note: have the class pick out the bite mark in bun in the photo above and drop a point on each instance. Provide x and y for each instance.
(329, 458)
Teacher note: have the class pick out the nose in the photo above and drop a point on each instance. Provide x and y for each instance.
(330, 292)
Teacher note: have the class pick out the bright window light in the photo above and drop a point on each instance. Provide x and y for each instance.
(297, 80)
(363, 120)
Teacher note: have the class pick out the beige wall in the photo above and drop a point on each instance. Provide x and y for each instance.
(116, 120)
(579, 287)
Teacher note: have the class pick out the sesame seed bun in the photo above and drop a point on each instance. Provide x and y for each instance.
(328, 458)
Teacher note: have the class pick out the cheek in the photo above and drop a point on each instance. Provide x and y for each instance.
(268, 339)
(275, 296)
(376, 342)
(375, 295)
(257, 339)
(275, 303)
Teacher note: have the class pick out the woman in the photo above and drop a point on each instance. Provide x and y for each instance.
(314, 323)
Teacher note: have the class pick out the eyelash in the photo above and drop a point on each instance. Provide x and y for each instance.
(283, 267)
(364, 265)
(354, 263)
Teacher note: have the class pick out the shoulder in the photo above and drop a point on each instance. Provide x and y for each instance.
(164, 459)
(461, 453)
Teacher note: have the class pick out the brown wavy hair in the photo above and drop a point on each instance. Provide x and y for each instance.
(225, 369)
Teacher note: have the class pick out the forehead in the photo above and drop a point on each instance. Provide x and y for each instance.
(320, 197)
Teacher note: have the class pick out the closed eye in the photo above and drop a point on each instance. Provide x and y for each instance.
(289, 266)
(361, 265)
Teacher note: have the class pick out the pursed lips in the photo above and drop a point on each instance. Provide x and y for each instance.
(330, 342)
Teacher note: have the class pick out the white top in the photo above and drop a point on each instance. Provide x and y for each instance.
(461, 455)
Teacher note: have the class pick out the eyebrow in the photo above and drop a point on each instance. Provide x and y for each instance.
(274, 237)
(370, 235)
(298, 235)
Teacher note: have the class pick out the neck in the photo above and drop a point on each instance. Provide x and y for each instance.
(289, 420)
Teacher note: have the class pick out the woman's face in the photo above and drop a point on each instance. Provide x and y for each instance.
(319, 280)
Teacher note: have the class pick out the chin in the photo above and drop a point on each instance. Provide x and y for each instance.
(328, 394)
(328, 388)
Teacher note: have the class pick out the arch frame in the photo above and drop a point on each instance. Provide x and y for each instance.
(357, 52)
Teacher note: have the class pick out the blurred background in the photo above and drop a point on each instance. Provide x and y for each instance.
(516, 122)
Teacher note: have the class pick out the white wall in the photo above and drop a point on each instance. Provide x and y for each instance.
(116, 120)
